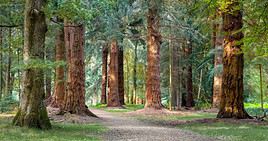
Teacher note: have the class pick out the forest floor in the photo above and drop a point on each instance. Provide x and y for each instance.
(123, 127)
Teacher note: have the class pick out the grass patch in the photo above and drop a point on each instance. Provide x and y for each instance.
(193, 116)
(128, 108)
(228, 131)
(59, 132)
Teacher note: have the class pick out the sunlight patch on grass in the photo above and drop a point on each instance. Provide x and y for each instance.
(59, 132)
(228, 131)
(127, 108)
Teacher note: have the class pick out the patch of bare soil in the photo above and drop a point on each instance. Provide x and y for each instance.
(54, 115)
(156, 112)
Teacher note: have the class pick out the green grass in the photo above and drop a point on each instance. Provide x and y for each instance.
(127, 108)
(228, 131)
(193, 116)
(59, 132)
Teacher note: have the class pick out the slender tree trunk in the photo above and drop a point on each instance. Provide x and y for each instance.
(74, 100)
(59, 86)
(1, 58)
(8, 68)
(190, 98)
(232, 105)
(121, 76)
(32, 112)
(127, 80)
(135, 71)
(48, 74)
(113, 94)
(217, 44)
(104, 74)
(153, 93)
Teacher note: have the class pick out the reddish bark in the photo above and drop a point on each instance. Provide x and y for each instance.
(74, 100)
(232, 105)
(113, 92)
(153, 93)
(104, 74)
(59, 88)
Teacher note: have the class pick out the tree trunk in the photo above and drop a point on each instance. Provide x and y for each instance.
(8, 67)
(135, 71)
(32, 112)
(153, 93)
(127, 80)
(217, 44)
(104, 74)
(74, 100)
(232, 105)
(1, 58)
(190, 98)
(48, 79)
(121, 76)
(174, 77)
(59, 87)
(113, 92)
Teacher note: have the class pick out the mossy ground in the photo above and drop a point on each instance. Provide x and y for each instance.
(59, 132)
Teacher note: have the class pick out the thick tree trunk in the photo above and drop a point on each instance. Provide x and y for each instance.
(217, 44)
(121, 76)
(153, 93)
(59, 86)
(74, 100)
(190, 98)
(113, 92)
(174, 77)
(232, 105)
(32, 112)
(104, 74)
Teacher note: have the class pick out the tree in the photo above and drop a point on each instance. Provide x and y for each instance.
(104, 74)
(153, 93)
(121, 76)
(59, 87)
(189, 76)
(113, 92)
(74, 100)
(232, 105)
(32, 112)
(217, 44)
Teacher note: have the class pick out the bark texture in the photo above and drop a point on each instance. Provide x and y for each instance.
(232, 105)
(121, 76)
(113, 92)
(104, 74)
(74, 100)
(217, 44)
(153, 93)
(190, 98)
(59, 86)
(32, 112)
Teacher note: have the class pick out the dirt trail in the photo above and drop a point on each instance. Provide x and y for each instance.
(130, 129)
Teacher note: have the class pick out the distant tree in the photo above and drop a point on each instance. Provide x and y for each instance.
(104, 73)
(32, 111)
(113, 91)
(153, 93)
(60, 84)
(232, 104)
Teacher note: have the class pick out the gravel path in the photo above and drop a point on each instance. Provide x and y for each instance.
(129, 129)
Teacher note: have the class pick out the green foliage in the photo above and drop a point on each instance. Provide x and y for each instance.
(8, 104)
(229, 131)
